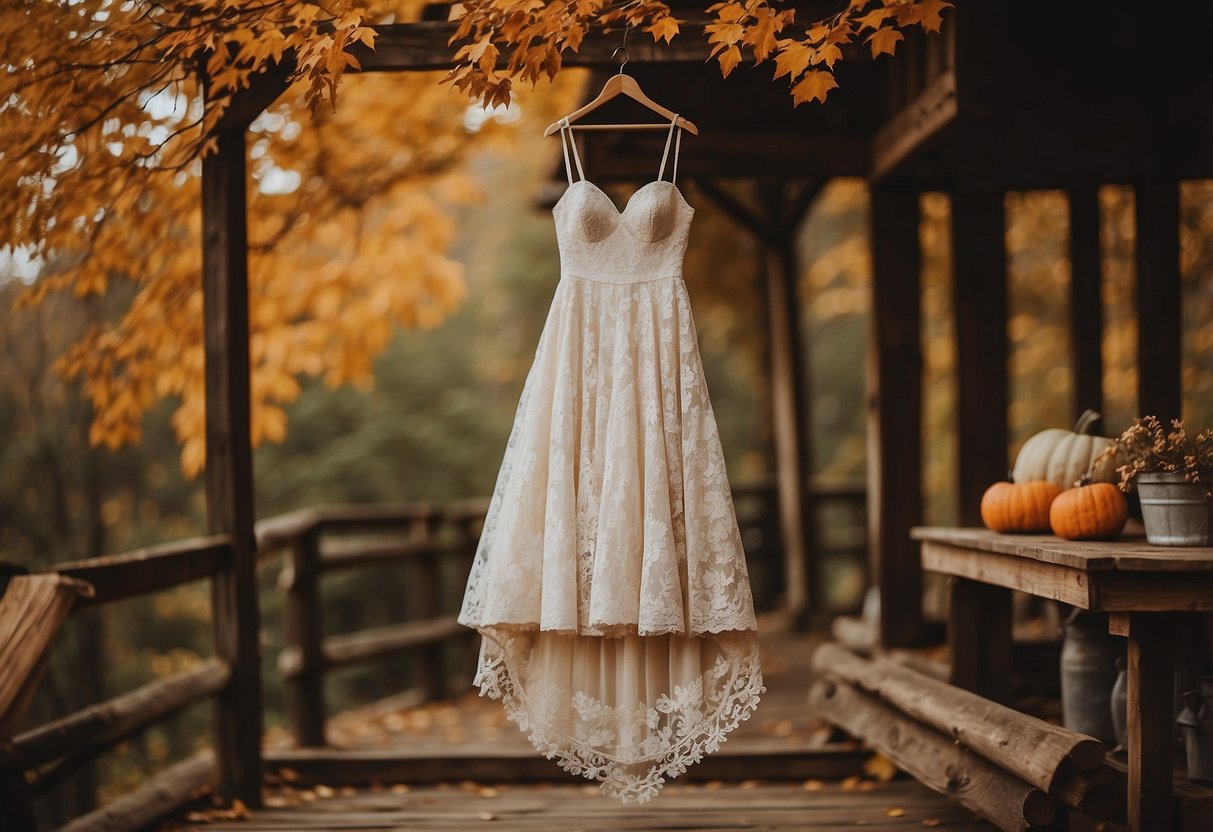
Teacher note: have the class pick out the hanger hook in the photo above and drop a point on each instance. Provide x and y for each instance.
(623, 48)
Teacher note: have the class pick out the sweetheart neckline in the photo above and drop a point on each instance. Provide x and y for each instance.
(618, 213)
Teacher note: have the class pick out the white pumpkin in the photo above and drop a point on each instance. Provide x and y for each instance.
(1064, 457)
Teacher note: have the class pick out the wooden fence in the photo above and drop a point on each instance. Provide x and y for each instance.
(53, 752)
(433, 544)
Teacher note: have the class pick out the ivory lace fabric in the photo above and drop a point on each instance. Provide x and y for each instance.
(610, 584)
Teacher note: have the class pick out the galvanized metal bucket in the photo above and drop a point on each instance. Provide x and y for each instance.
(1176, 512)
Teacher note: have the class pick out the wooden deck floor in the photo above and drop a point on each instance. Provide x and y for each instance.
(813, 805)
(460, 765)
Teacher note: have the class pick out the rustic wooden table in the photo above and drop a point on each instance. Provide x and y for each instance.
(1144, 589)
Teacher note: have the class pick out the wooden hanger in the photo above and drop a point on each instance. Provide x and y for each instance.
(622, 84)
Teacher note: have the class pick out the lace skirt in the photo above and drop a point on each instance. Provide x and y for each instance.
(610, 584)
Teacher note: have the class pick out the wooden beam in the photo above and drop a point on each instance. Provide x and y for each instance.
(1149, 731)
(377, 642)
(154, 800)
(979, 297)
(229, 465)
(916, 128)
(305, 636)
(106, 723)
(979, 633)
(1159, 318)
(144, 571)
(895, 413)
(1086, 299)
(491, 762)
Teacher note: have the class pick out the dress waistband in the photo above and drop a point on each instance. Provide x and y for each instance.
(621, 279)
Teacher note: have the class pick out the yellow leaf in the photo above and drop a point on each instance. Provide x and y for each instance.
(884, 41)
(729, 59)
(793, 59)
(815, 85)
(663, 29)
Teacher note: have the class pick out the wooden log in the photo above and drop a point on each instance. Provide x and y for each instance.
(155, 568)
(376, 643)
(236, 615)
(107, 723)
(1098, 794)
(933, 758)
(32, 609)
(156, 799)
(1031, 749)
(894, 414)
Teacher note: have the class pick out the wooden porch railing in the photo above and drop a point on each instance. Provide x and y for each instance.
(44, 756)
(418, 536)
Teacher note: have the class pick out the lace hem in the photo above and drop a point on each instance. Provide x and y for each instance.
(668, 751)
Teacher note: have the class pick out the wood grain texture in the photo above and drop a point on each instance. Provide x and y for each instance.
(235, 613)
(1129, 553)
(895, 413)
(933, 758)
(155, 799)
(32, 609)
(1029, 748)
(155, 568)
(1047, 580)
(1149, 733)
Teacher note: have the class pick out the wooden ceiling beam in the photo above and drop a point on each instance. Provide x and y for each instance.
(916, 127)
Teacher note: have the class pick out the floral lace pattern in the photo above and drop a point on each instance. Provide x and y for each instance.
(610, 583)
(630, 749)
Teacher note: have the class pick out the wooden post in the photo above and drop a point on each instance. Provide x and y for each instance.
(229, 465)
(304, 631)
(1150, 729)
(1159, 320)
(424, 601)
(979, 632)
(895, 413)
(980, 306)
(1086, 299)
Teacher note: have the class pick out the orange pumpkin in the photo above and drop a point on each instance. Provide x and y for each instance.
(1092, 511)
(1018, 506)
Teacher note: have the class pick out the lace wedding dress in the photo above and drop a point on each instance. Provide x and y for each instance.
(610, 584)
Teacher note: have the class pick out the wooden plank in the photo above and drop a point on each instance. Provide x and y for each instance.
(32, 609)
(152, 569)
(979, 274)
(1159, 292)
(347, 552)
(282, 529)
(1086, 299)
(1128, 554)
(491, 763)
(934, 759)
(788, 384)
(979, 633)
(1149, 732)
(1047, 580)
(157, 798)
(915, 128)
(1153, 591)
(1031, 749)
(894, 421)
(305, 635)
(229, 464)
(377, 642)
(106, 723)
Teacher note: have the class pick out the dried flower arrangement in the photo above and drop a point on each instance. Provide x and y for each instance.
(1148, 446)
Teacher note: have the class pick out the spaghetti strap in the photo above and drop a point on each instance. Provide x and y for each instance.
(677, 147)
(564, 143)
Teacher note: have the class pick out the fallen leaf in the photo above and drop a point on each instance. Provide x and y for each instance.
(894, 812)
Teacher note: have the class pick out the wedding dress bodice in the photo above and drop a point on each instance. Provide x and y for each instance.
(645, 241)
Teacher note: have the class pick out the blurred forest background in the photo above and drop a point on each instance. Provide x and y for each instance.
(434, 423)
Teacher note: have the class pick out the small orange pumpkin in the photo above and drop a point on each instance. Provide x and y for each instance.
(1021, 507)
(1092, 511)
